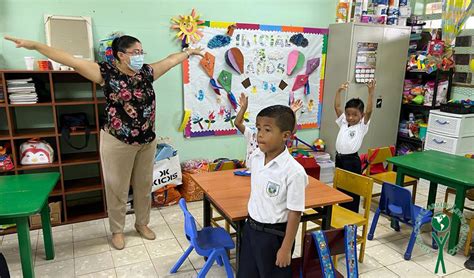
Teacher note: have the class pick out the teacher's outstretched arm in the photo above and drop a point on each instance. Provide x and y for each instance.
(163, 66)
(88, 69)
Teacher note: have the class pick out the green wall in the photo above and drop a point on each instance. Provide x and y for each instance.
(149, 20)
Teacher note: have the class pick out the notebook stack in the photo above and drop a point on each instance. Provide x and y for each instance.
(22, 91)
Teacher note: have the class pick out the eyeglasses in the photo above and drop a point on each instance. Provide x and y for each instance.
(136, 52)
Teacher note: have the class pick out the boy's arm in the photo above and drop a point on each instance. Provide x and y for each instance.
(239, 119)
(368, 110)
(295, 106)
(284, 253)
(337, 99)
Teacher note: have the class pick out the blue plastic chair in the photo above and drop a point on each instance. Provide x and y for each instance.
(209, 242)
(396, 202)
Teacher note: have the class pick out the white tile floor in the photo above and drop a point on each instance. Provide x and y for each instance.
(84, 250)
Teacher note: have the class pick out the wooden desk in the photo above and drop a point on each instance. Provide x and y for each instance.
(230, 194)
(22, 196)
(451, 170)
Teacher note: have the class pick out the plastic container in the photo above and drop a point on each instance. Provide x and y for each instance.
(457, 108)
(422, 131)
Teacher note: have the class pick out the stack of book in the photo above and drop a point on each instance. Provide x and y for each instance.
(22, 91)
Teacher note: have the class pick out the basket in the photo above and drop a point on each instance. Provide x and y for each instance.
(457, 108)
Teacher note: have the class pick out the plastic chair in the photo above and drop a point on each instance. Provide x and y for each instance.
(309, 265)
(340, 217)
(380, 155)
(209, 242)
(395, 202)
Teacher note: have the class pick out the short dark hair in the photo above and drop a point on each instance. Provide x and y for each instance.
(122, 43)
(283, 115)
(355, 103)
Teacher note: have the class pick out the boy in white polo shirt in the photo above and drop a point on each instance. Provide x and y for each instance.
(276, 201)
(353, 126)
(250, 133)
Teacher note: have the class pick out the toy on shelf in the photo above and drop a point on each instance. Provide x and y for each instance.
(416, 93)
(293, 143)
(319, 144)
(440, 96)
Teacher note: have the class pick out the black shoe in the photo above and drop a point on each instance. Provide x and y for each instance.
(469, 264)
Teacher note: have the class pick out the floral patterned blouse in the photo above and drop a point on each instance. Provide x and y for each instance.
(130, 104)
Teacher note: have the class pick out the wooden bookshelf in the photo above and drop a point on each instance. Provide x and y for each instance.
(16, 133)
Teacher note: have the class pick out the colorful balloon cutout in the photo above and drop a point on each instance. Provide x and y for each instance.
(235, 59)
(295, 61)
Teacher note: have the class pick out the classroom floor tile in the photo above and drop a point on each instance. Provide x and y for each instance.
(84, 249)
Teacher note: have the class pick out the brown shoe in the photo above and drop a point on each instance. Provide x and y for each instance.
(118, 241)
(145, 232)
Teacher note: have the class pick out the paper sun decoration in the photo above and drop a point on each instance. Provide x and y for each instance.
(188, 27)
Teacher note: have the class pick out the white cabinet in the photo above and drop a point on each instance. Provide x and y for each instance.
(450, 133)
(392, 47)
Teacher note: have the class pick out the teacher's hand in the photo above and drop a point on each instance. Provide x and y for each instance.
(196, 51)
(22, 43)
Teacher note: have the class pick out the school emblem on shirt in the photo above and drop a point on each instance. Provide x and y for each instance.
(352, 133)
(272, 189)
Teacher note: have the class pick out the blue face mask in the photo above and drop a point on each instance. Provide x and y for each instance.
(136, 62)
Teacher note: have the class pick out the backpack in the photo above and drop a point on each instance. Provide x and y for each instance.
(74, 122)
(36, 151)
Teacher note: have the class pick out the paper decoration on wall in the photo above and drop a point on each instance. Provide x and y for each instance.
(105, 47)
(207, 63)
(235, 59)
(246, 83)
(225, 79)
(302, 79)
(366, 59)
(188, 27)
(230, 30)
(263, 76)
(218, 41)
(282, 85)
(186, 118)
(295, 61)
(299, 40)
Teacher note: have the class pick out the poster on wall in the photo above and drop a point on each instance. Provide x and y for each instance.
(365, 61)
(269, 64)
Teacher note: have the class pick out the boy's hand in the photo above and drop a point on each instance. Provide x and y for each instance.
(243, 101)
(343, 87)
(283, 257)
(371, 85)
(296, 105)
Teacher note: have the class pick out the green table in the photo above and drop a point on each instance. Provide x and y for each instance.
(22, 196)
(439, 168)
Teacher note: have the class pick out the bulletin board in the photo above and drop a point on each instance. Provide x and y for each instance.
(265, 78)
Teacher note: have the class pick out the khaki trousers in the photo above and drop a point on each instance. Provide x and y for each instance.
(122, 165)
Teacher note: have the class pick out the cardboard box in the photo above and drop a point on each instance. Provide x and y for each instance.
(55, 212)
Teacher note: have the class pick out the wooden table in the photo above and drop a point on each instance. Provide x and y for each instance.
(230, 194)
(22, 196)
(439, 168)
